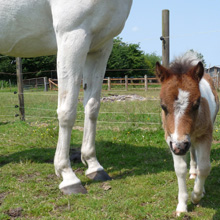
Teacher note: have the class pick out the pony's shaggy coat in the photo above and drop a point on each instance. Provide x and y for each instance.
(190, 104)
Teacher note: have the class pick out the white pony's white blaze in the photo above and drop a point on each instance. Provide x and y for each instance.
(81, 33)
(190, 105)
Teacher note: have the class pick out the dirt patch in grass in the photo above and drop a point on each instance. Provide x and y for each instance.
(14, 213)
(119, 98)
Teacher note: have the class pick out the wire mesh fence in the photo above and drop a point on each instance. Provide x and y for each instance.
(116, 109)
(119, 110)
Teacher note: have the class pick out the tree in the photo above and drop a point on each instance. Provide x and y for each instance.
(151, 60)
(125, 56)
(7, 65)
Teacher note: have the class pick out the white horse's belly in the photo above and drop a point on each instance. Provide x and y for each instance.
(26, 29)
(29, 28)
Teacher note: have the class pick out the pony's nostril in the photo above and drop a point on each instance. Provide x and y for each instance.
(187, 145)
(171, 144)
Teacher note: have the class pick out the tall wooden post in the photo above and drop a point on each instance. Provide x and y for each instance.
(45, 84)
(165, 38)
(126, 83)
(109, 83)
(145, 83)
(20, 88)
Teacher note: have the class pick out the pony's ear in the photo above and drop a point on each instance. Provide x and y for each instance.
(197, 72)
(162, 73)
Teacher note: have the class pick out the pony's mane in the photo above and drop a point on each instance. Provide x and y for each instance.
(183, 63)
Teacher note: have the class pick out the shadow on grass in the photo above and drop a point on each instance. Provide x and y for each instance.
(123, 160)
(211, 199)
(120, 159)
(212, 185)
(4, 123)
(37, 155)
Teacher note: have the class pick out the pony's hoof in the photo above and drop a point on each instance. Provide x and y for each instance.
(181, 208)
(178, 213)
(192, 176)
(195, 199)
(74, 189)
(99, 176)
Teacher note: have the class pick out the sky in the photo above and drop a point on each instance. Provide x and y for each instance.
(194, 24)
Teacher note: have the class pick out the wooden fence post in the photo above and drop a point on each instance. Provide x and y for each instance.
(109, 83)
(45, 84)
(165, 38)
(10, 84)
(126, 83)
(145, 83)
(20, 88)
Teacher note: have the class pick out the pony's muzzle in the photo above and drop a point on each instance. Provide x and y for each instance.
(180, 148)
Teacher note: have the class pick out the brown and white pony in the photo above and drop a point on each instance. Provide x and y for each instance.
(189, 104)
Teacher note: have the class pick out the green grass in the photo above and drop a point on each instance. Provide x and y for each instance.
(134, 154)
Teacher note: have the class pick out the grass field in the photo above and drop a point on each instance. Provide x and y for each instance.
(130, 146)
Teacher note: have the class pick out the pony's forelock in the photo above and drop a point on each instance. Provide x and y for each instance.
(184, 62)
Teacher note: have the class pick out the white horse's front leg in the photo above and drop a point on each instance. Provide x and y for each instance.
(92, 80)
(180, 166)
(72, 51)
(204, 167)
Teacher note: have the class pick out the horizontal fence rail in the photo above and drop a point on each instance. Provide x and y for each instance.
(125, 82)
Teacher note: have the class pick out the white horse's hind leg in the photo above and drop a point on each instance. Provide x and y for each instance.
(204, 167)
(193, 164)
(92, 80)
(72, 52)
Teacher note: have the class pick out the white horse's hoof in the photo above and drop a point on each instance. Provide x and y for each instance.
(74, 189)
(99, 176)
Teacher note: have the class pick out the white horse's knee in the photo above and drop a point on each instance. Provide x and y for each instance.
(66, 117)
(92, 109)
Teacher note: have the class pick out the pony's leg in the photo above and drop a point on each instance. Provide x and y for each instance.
(72, 51)
(203, 170)
(180, 166)
(193, 164)
(92, 80)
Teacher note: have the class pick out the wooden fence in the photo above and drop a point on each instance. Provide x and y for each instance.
(35, 83)
(110, 82)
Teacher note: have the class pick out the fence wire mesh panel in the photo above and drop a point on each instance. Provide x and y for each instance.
(119, 110)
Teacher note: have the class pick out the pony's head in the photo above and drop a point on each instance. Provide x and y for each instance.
(180, 101)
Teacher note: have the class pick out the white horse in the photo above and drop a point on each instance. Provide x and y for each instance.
(80, 32)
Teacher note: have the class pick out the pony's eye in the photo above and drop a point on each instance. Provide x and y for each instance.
(196, 105)
(164, 109)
